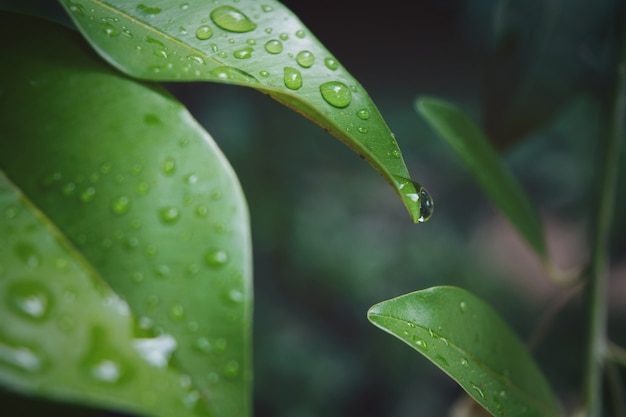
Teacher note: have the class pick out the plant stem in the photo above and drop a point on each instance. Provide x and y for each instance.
(597, 337)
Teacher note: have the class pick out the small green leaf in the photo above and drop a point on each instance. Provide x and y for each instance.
(261, 45)
(468, 340)
(471, 145)
(145, 199)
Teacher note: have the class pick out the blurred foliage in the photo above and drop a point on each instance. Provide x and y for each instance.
(330, 239)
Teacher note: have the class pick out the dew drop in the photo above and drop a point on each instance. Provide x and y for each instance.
(156, 351)
(283, 36)
(201, 211)
(203, 345)
(336, 94)
(169, 215)
(120, 205)
(363, 114)
(331, 63)
(27, 254)
(142, 188)
(235, 296)
(29, 299)
(169, 166)
(266, 8)
(463, 306)
(110, 30)
(232, 19)
(362, 129)
(69, 188)
(177, 312)
(442, 360)
(216, 258)
(464, 363)
(478, 390)
(300, 34)
(305, 59)
(227, 73)
(231, 370)
(264, 74)
(204, 32)
(274, 46)
(20, 357)
(220, 345)
(420, 343)
(101, 362)
(417, 194)
(292, 78)
(243, 53)
(148, 10)
(88, 194)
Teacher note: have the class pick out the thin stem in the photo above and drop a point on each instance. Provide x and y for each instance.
(597, 336)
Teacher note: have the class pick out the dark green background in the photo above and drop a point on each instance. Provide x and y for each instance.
(331, 238)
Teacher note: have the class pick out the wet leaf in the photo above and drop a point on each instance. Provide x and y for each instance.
(114, 181)
(470, 342)
(482, 160)
(261, 45)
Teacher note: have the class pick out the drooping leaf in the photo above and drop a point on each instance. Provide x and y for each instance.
(261, 45)
(144, 197)
(482, 160)
(470, 342)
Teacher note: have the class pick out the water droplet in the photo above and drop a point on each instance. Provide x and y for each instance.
(444, 341)
(292, 78)
(305, 59)
(426, 205)
(102, 362)
(420, 196)
(157, 351)
(266, 8)
(203, 345)
(30, 299)
(110, 30)
(201, 211)
(420, 343)
(243, 53)
(177, 312)
(69, 188)
(464, 363)
(184, 6)
(478, 390)
(283, 36)
(142, 188)
(235, 296)
(88, 194)
(264, 74)
(204, 32)
(336, 94)
(169, 215)
(151, 251)
(220, 345)
(169, 166)
(28, 254)
(148, 10)
(300, 34)
(120, 205)
(441, 360)
(162, 271)
(363, 114)
(232, 19)
(274, 46)
(463, 306)
(161, 53)
(216, 258)
(362, 129)
(227, 73)
(22, 358)
(331, 63)
(231, 370)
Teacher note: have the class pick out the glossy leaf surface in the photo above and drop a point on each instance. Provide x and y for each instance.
(144, 199)
(261, 45)
(474, 149)
(468, 340)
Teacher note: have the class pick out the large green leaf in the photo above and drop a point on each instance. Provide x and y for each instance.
(473, 148)
(468, 340)
(137, 193)
(261, 45)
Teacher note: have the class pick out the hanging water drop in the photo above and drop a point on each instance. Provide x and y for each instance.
(336, 94)
(232, 19)
(292, 78)
(30, 299)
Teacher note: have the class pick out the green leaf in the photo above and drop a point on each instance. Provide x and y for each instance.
(137, 192)
(468, 340)
(261, 45)
(471, 145)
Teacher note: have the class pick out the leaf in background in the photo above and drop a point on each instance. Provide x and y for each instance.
(468, 340)
(544, 54)
(471, 145)
(143, 194)
(261, 45)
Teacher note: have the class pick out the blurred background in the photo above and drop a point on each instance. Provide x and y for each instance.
(331, 238)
